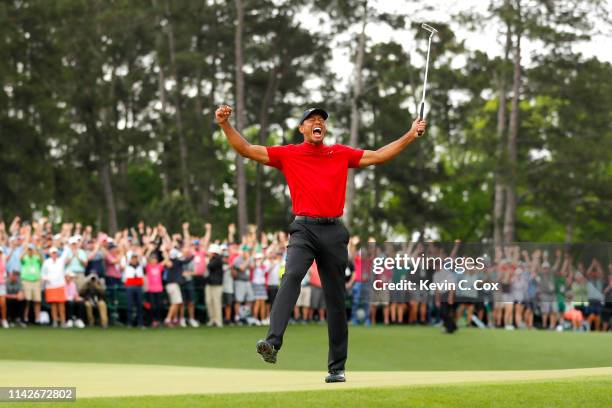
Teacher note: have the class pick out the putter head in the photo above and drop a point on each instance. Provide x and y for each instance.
(429, 28)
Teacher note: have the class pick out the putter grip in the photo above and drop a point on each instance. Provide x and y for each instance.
(422, 110)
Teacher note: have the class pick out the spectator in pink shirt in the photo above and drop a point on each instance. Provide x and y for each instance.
(200, 253)
(75, 307)
(4, 322)
(112, 260)
(155, 288)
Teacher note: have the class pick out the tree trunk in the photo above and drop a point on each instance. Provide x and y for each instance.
(240, 121)
(103, 147)
(103, 166)
(204, 207)
(162, 99)
(205, 150)
(357, 89)
(179, 120)
(109, 197)
(510, 214)
(264, 118)
(569, 232)
(498, 207)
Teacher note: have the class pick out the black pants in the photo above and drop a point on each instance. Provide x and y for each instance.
(75, 310)
(272, 291)
(327, 244)
(447, 314)
(14, 309)
(156, 300)
(134, 301)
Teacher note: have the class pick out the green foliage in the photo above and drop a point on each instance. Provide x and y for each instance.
(94, 86)
(171, 210)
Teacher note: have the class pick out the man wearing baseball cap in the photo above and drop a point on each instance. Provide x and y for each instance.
(316, 174)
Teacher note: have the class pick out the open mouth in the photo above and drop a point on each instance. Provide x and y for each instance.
(317, 131)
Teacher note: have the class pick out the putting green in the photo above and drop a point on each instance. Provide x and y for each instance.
(113, 380)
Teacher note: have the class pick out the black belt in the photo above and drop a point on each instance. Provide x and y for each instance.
(318, 220)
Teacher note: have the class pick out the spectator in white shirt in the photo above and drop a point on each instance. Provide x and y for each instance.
(133, 278)
(54, 281)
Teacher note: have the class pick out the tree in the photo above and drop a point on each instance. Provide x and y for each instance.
(240, 118)
(355, 114)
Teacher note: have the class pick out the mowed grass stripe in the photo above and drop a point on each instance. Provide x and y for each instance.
(578, 393)
(370, 349)
(118, 380)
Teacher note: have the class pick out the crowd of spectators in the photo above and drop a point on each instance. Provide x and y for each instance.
(534, 288)
(147, 277)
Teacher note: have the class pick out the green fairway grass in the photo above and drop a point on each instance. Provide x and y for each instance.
(374, 349)
(580, 392)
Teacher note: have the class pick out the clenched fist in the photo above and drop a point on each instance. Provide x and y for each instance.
(222, 114)
(419, 126)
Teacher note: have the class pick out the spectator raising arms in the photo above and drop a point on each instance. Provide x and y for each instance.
(173, 287)
(133, 278)
(154, 272)
(225, 279)
(214, 286)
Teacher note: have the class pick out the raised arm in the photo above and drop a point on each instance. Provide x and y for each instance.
(186, 234)
(455, 249)
(206, 237)
(231, 233)
(388, 152)
(238, 142)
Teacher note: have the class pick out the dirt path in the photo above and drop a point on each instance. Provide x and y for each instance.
(106, 380)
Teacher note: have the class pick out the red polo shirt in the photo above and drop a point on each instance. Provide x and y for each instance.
(316, 175)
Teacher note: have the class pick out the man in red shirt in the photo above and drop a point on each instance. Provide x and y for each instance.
(316, 174)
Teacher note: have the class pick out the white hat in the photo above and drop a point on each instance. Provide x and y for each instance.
(73, 240)
(214, 249)
(545, 265)
(57, 236)
(52, 250)
(259, 255)
(69, 273)
(175, 253)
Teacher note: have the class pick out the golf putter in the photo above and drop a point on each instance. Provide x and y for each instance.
(432, 31)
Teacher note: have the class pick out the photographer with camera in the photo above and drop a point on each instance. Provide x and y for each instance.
(93, 294)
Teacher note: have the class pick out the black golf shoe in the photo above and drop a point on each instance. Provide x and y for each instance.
(267, 351)
(335, 376)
